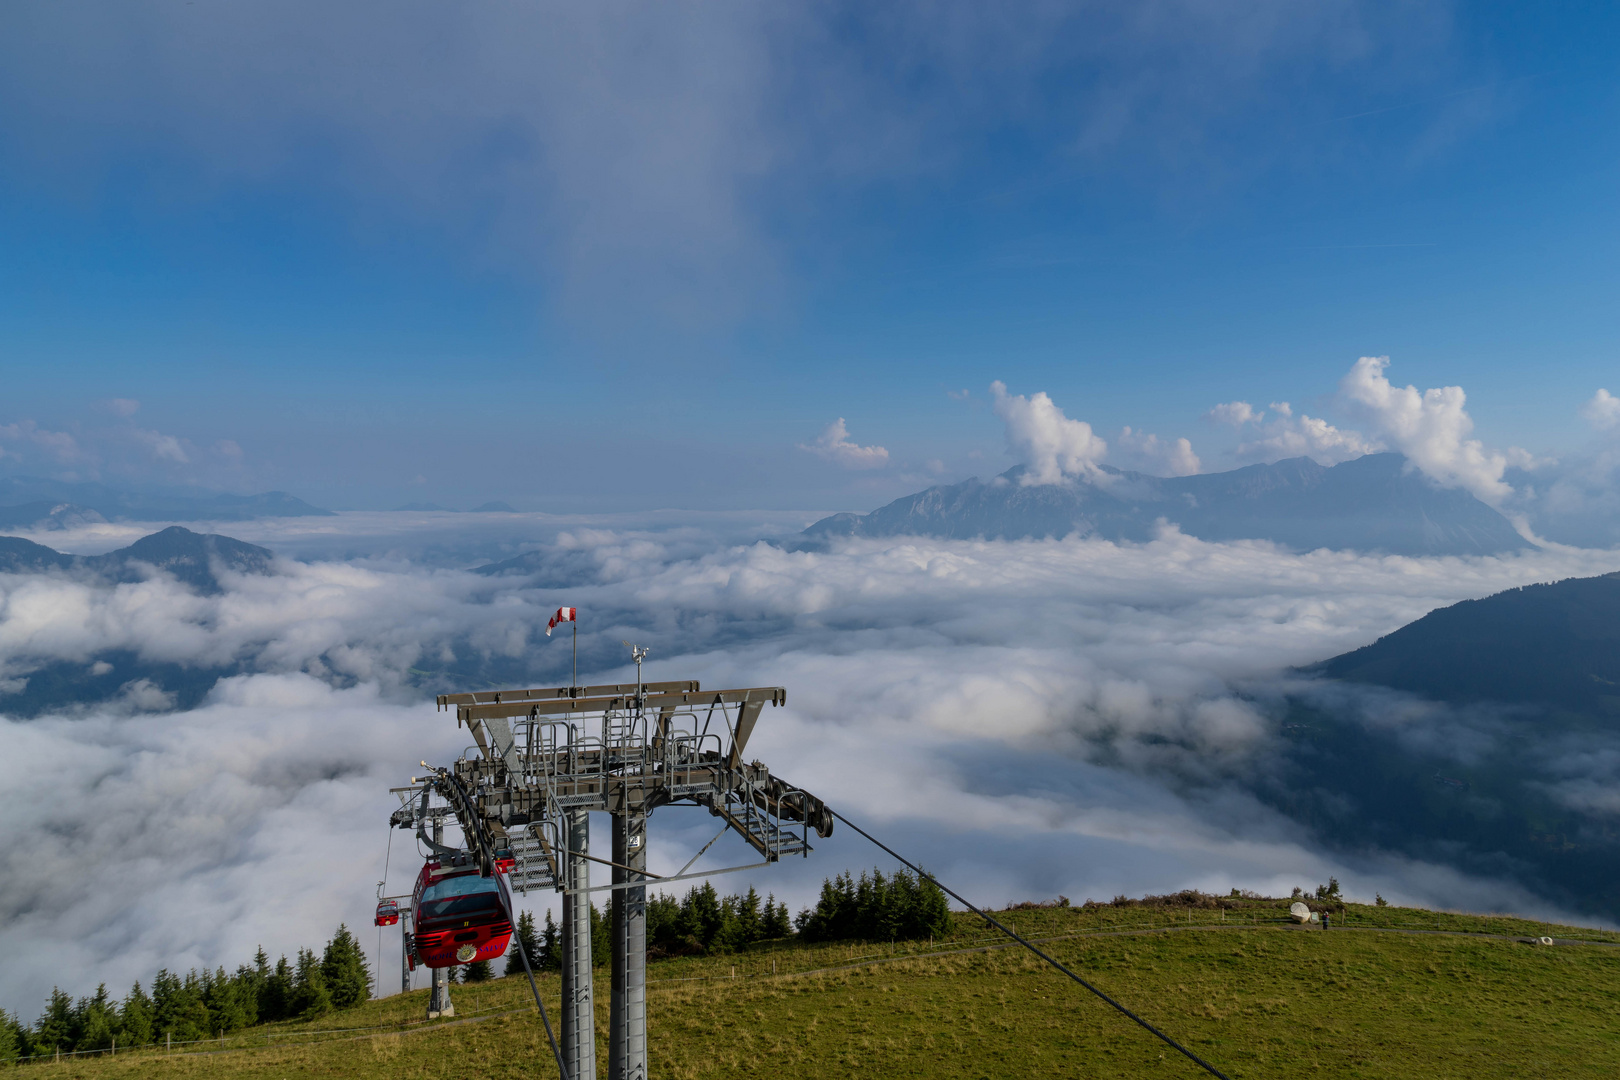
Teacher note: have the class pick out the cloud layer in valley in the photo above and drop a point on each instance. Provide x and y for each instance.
(1027, 718)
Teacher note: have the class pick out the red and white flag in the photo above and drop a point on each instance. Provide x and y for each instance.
(564, 614)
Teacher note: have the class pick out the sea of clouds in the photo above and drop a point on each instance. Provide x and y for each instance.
(1026, 718)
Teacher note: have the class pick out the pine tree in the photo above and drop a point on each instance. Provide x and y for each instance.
(524, 944)
(343, 967)
(310, 996)
(774, 922)
(748, 917)
(932, 918)
(476, 972)
(97, 1021)
(54, 1030)
(135, 1018)
(10, 1048)
(191, 1018)
(551, 945)
(663, 924)
(701, 915)
(601, 939)
(276, 996)
(226, 1008)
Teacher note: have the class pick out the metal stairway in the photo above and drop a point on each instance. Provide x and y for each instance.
(533, 865)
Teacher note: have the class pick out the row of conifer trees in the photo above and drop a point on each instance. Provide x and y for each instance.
(197, 1005)
(200, 1006)
(872, 907)
(876, 908)
(701, 922)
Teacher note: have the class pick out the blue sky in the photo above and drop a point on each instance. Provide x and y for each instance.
(636, 256)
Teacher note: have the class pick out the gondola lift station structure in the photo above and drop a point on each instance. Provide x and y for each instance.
(541, 762)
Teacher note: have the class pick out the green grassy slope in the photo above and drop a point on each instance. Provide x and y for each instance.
(1380, 995)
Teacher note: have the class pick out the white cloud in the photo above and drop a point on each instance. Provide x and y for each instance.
(997, 678)
(113, 448)
(161, 447)
(1236, 413)
(1431, 427)
(1050, 445)
(1160, 457)
(1286, 436)
(1602, 411)
(835, 445)
(27, 439)
(1309, 436)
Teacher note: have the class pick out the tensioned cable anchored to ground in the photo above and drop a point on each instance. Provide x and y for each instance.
(920, 872)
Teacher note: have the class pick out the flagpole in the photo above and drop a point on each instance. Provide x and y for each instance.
(574, 686)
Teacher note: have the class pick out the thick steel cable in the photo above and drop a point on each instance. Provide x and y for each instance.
(1168, 1041)
(511, 917)
(382, 887)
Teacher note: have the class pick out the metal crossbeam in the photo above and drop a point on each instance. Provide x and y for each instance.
(619, 702)
(484, 697)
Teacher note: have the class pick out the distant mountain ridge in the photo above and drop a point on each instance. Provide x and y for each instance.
(1506, 768)
(189, 556)
(1374, 503)
(1556, 644)
(20, 495)
(48, 515)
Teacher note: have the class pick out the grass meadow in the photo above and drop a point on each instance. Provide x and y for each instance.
(1388, 992)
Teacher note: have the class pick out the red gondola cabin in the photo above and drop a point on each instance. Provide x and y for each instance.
(387, 912)
(458, 916)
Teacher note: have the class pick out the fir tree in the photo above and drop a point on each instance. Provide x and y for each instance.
(551, 945)
(601, 939)
(310, 996)
(135, 1018)
(476, 972)
(932, 915)
(97, 1021)
(701, 915)
(524, 944)
(275, 998)
(10, 1044)
(343, 967)
(774, 922)
(876, 908)
(748, 917)
(54, 1030)
(224, 997)
(663, 923)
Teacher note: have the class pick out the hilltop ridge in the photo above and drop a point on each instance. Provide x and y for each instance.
(1375, 503)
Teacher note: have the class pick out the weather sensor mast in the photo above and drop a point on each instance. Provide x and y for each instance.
(546, 758)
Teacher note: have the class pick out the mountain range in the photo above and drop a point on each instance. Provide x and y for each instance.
(190, 557)
(1502, 763)
(30, 502)
(1375, 503)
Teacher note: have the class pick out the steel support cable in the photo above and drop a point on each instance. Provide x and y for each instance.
(388, 853)
(511, 917)
(1167, 1040)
